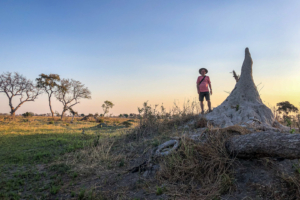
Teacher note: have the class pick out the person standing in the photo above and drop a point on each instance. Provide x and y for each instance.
(202, 84)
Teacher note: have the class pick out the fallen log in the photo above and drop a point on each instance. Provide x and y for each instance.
(265, 144)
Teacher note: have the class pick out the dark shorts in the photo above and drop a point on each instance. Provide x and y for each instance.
(204, 94)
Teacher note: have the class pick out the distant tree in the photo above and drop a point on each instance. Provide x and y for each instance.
(14, 85)
(73, 113)
(125, 115)
(286, 107)
(82, 115)
(56, 113)
(70, 92)
(106, 106)
(120, 115)
(49, 84)
(96, 114)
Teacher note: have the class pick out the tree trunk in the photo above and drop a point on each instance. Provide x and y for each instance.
(12, 109)
(51, 106)
(265, 144)
(72, 118)
(13, 113)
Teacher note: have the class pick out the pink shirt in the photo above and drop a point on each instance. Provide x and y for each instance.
(203, 87)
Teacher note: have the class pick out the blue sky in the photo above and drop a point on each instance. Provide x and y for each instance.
(129, 52)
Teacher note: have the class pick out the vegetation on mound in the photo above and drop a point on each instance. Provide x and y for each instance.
(199, 170)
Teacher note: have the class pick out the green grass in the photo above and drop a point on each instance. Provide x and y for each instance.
(28, 149)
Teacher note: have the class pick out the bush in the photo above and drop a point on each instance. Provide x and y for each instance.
(28, 114)
(51, 122)
(127, 124)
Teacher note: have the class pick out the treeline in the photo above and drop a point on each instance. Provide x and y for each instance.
(67, 91)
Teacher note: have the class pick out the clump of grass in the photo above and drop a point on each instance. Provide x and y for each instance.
(200, 123)
(81, 194)
(153, 120)
(208, 165)
(54, 189)
(159, 190)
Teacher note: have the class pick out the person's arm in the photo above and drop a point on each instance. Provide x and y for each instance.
(197, 85)
(209, 84)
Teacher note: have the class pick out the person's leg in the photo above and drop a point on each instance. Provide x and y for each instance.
(209, 105)
(207, 97)
(201, 96)
(202, 107)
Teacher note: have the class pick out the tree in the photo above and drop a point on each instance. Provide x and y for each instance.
(106, 106)
(14, 85)
(286, 107)
(70, 92)
(49, 84)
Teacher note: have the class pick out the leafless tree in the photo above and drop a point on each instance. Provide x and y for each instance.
(70, 92)
(49, 84)
(16, 85)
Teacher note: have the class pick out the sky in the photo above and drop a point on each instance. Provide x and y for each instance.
(133, 51)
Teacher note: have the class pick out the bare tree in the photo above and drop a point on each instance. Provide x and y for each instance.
(106, 106)
(70, 92)
(14, 85)
(48, 83)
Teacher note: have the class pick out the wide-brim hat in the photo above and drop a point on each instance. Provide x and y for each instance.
(204, 69)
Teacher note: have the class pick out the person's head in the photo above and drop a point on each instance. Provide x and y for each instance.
(203, 71)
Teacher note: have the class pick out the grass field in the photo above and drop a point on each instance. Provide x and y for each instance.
(30, 147)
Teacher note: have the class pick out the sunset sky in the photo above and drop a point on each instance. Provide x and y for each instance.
(134, 51)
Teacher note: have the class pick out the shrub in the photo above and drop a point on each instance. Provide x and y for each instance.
(127, 124)
(100, 120)
(28, 114)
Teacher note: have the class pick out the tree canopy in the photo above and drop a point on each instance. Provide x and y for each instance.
(286, 107)
(106, 106)
(70, 92)
(16, 85)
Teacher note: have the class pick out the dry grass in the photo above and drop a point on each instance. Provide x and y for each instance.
(197, 170)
